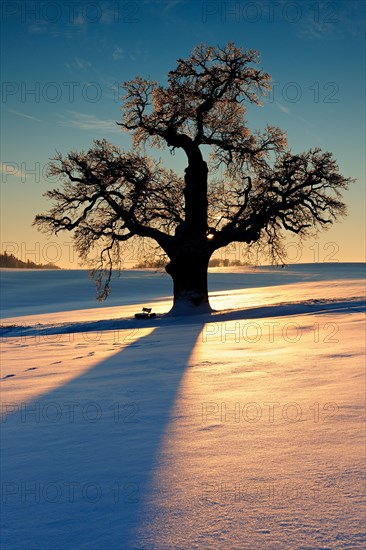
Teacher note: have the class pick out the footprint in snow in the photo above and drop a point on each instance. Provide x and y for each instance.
(8, 376)
(208, 428)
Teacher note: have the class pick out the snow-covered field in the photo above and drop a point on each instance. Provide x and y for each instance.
(239, 430)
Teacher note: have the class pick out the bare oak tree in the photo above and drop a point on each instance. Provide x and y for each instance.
(250, 189)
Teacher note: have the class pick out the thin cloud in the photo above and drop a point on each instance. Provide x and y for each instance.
(311, 29)
(109, 14)
(74, 20)
(165, 5)
(40, 27)
(57, 30)
(171, 4)
(79, 64)
(84, 121)
(307, 126)
(24, 115)
(118, 53)
(332, 20)
(282, 108)
(79, 21)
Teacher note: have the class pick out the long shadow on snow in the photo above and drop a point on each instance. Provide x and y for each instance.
(77, 479)
(75, 471)
(303, 307)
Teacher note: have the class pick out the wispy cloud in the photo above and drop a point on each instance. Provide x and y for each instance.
(24, 115)
(165, 5)
(118, 53)
(80, 20)
(84, 121)
(79, 64)
(109, 13)
(306, 126)
(324, 20)
(56, 30)
(311, 29)
(282, 108)
(74, 20)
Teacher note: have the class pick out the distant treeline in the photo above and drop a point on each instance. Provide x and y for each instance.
(218, 262)
(9, 260)
(214, 262)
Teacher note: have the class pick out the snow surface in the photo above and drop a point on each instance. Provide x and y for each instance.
(237, 430)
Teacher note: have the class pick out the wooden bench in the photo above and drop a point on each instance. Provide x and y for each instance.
(145, 314)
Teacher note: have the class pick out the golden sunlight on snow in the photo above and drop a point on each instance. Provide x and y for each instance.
(247, 399)
(87, 315)
(273, 295)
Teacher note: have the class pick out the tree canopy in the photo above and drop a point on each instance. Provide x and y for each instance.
(250, 189)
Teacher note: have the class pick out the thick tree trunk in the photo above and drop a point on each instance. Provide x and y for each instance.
(190, 253)
(188, 270)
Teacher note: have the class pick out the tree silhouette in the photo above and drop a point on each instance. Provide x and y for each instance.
(250, 189)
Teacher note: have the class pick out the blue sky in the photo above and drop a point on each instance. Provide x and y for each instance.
(62, 62)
